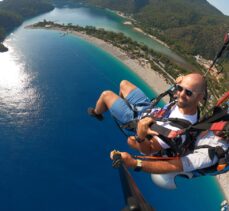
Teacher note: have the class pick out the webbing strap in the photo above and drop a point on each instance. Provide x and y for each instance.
(165, 132)
(211, 124)
(169, 92)
(218, 126)
(219, 114)
(180, 123)
(223, 99)
(131, 107)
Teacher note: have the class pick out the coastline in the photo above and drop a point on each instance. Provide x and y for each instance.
(147, 74)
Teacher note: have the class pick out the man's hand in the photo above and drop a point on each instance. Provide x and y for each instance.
(143, 127)
(126, 157)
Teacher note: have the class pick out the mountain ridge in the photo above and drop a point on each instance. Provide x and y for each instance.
(14, 12)
(188, 26)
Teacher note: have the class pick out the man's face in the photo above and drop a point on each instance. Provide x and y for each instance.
(188, 94)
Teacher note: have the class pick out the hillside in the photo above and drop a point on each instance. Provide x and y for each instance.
(14, 12)
(189, 26)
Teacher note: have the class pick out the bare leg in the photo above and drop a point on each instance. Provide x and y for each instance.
(105, 101)
(107, 98)
(125, 88)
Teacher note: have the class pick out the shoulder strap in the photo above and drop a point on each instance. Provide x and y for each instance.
(169, 92)
(223, 99)
(165, 132)
(131, 107)
(180, 123)
(216, 121)
(174, 139)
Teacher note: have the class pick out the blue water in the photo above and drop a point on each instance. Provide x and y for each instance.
(53, 156)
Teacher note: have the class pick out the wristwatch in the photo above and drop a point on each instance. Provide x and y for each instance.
(139, 140)
(138, 166)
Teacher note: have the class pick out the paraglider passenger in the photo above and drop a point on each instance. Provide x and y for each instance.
(190, 91)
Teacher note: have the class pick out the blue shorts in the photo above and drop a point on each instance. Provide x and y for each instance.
(123, 113)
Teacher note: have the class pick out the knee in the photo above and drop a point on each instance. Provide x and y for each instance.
(107, 94)
(131, 141)
(124, 84)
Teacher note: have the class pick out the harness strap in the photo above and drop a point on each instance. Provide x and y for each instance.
(218, 114)
(180, 123)
(174, 144)
(223, 99)
(131, 107)
(216, 126)
(132, 125)
(173, 138)
(164, 112)
(165, 132)
(211, 123)
(152, 158)
(169, 92)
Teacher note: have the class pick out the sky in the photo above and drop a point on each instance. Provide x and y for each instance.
(222, 5)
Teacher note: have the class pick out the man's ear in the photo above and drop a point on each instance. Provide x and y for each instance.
(179, 79)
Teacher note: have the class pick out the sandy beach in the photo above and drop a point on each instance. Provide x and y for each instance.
(150, 76)
(223, 181)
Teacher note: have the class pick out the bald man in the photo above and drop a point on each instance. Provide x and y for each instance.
(190, 91)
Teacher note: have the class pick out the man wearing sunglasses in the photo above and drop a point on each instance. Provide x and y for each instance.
(190, 91)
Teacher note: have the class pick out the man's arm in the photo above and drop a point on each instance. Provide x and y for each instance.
(155, 167)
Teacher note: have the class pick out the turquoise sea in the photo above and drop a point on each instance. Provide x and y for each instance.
(53, 156)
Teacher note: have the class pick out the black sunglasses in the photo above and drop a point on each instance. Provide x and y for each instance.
(187, 91)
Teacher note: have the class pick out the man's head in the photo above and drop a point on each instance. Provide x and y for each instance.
(190, 91)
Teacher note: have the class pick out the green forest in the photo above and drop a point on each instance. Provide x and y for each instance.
(188, 26)
(14, 12)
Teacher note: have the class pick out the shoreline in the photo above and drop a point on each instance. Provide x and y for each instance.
(152, 78)
(140, 67)
(129, 22)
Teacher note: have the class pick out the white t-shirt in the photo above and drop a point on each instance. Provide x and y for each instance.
(200, 159)
(175, 113)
